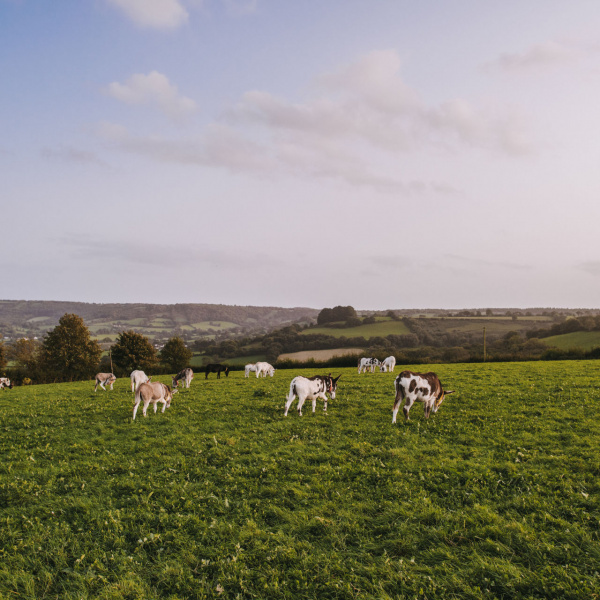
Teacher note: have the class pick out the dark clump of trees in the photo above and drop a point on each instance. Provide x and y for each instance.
(336, 314)
(3, 358)
(581, 323)
(67, 353)
(175, 354)
(133, 351)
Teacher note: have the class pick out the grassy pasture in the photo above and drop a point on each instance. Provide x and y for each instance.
(494, 326)
(319, 354)
(585, 340)
(382, 328)
(496, 496)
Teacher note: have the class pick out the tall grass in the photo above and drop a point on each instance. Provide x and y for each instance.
(495, 496)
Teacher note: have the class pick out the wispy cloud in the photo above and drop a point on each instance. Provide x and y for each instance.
(157, 14)
(368, 102)
(238, 8)
(361, 123)
(220, 146)
(591, 267)
(391, 261)
(544, 55)
(160, 255)
(153, 89)
(480, 262)
(73, 155)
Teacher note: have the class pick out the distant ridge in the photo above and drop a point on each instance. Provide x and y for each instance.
(35, 317)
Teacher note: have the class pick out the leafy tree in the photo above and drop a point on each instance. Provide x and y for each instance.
(3, 360)
(24, 353)
(176, 354)
(353, 322)
(338, 313)
(68, 352)
(133, 351)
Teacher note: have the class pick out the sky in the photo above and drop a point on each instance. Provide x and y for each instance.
(374, 153)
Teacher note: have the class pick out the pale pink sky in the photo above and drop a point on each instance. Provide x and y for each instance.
(380, 154)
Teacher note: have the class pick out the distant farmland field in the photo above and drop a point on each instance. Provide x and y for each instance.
(381, 328)
(584, 340)
(496, 496)
(319, 354)
(495, 325)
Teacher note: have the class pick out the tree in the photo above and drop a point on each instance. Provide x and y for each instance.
(24, 352)
(3, 361)
(133, 351)
(68, 352)
(176, 354)
(338, 313)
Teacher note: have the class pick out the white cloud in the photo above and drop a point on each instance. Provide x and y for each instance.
(543, 55)
(158, 14)
(154, 89)
(368, 102)
(363, 119)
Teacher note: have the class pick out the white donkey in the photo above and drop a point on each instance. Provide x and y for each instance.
(388, 365)
(137, 378)
(311, 388)
(264, 369)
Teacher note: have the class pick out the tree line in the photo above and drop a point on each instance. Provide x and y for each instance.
(68, 353)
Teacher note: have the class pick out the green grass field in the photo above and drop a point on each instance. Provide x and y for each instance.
(496, 496)
(382, 328)
(585, 340)
(319, 354)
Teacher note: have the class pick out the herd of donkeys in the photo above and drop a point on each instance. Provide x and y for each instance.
(409, 386)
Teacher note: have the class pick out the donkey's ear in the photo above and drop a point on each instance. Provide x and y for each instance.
(337, 377)
(449, 392)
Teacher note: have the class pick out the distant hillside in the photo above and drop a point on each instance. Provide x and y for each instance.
(158, 321)
(583, 340)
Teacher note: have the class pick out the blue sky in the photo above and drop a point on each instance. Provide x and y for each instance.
(384, 154)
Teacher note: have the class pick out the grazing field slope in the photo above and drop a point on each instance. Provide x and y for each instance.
(495, 496)
(319, 354)
(584, 340)
(382, 328)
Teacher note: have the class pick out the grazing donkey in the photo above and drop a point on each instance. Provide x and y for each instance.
(103, 379)
(217, 368)
(137, 378)
(186, 375)
(423, 387)
(311, 388)
(151, 393)
(264, 369)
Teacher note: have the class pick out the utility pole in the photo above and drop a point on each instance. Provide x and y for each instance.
(484, 356)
